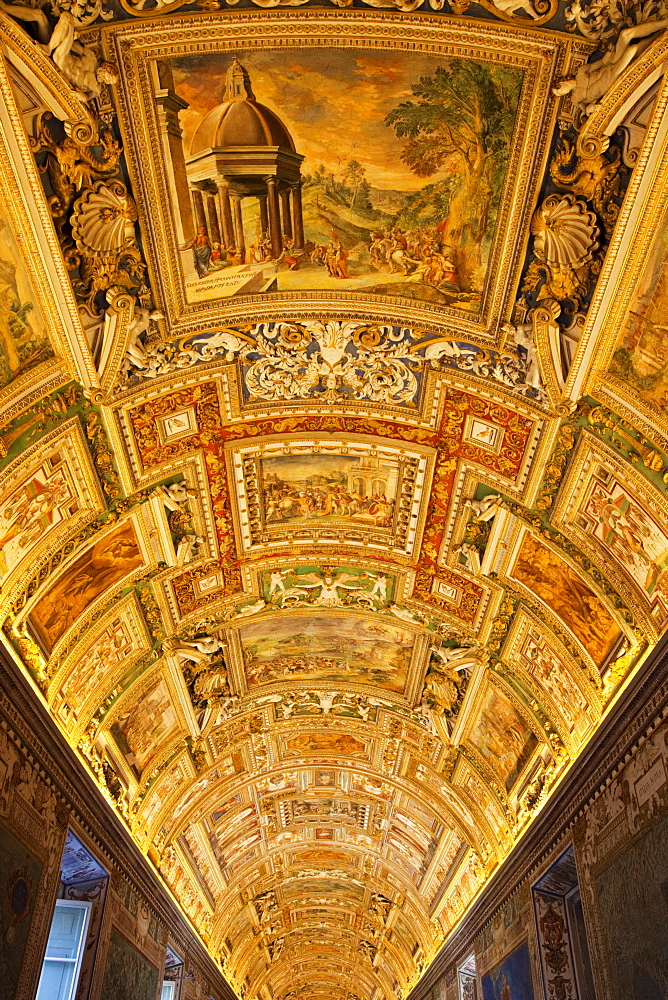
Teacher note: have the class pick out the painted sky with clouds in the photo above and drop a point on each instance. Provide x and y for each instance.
(333, 102)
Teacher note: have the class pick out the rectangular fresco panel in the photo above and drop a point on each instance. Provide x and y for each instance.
(627, 532)
(502, 736)
(23, 340)
(641, 357)
(510, 979)
(128, 975)
(341, 585)
(144, 725)
(538, 659)
(100, 567)
(633, 903)
(113, 646)
(551, 579)
(395, 192)
(345, 649)
(329, 488)
(19, 880)
(35, 508)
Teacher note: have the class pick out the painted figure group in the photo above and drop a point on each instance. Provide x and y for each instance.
(211, 256)
(418, 253)
(283, 502)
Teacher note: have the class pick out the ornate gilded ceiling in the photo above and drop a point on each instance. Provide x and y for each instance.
(334, 440)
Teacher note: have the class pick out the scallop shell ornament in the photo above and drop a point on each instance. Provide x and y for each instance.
(103, 219)
(565, 231)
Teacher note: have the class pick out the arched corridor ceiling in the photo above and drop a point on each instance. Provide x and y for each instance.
(334, 440)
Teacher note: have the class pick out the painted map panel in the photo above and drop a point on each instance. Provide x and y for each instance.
(633, 902)
(19, 879)
(127, 975)
(511, 979)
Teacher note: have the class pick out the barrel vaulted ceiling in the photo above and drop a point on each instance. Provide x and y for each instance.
(334, 439)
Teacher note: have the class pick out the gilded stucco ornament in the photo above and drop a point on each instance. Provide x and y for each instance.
(593, 173)
(448, 678)
(601, 20)
(566, 241)
(93, 213)
(328, 360)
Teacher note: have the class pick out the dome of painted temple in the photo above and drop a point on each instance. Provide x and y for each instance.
(240, 120)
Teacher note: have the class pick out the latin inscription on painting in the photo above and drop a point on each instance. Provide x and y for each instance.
(396, 192)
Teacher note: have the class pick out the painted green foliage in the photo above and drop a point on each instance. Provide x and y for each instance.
(128, 975)
(460, 127)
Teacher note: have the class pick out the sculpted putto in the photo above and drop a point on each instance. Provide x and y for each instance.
(592, 81)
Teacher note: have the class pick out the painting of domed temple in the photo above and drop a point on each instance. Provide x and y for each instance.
(396, 192)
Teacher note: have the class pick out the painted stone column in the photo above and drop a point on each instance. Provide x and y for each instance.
(198, 209)
(214, 227)
(225, 213)
(168, 105)
(285, 212)
(238, 224)
(298, 216)
(264, 217)
(274, 218)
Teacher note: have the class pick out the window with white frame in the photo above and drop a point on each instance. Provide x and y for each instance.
(64, 950)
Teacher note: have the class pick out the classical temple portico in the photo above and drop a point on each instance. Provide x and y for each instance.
(241, 149)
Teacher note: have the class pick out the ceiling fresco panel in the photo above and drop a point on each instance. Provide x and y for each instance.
(313, 544)
(399, 166)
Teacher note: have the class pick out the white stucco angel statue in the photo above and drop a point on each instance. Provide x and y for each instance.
(593, 80)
